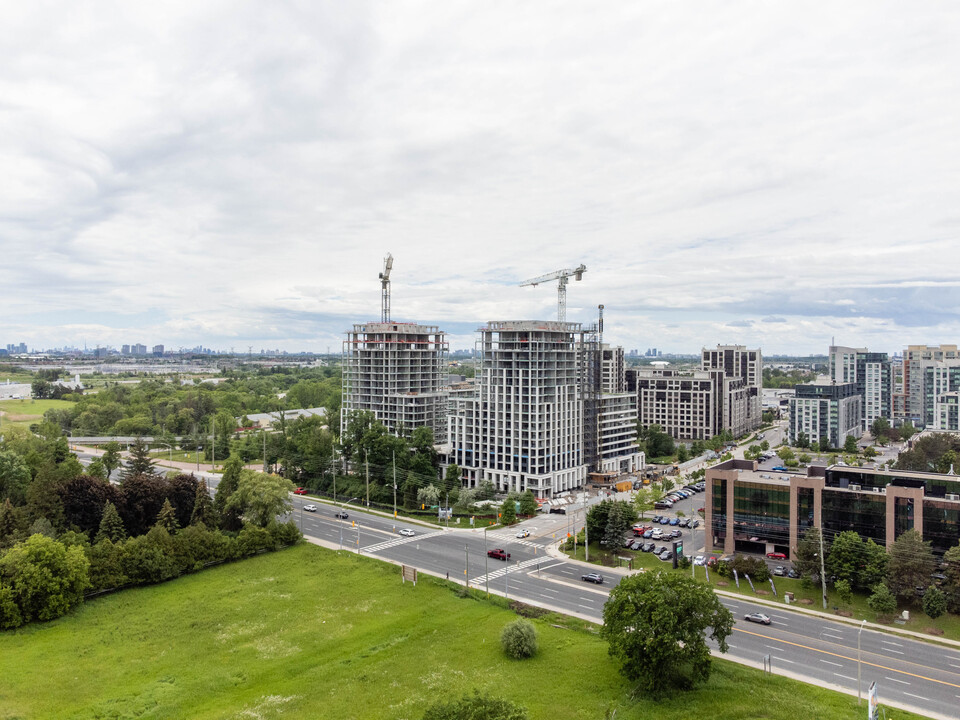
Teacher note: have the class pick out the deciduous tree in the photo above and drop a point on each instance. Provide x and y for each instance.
(910, 565)
(260, 497)
(46, 579)
(656, 624)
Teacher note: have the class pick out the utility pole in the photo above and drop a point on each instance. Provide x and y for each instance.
(366, 460)
(333, 471)
(213, 444)
(466, 564)
(486, 569)
(394, 456)
(858, 659)
(586, 533)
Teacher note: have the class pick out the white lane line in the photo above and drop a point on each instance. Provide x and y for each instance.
(783, 660)
(774, 647)
(832, 663)
(585, 607)
(845, 677)
(831, 629)
(779, 617)
(956, 666)
(835, 637)
(732, 646)
(891, 642)
(548, 590)
(902, 682)
(915, 696)
(892, 650)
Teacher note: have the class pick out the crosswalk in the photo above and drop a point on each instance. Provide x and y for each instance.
(509, 567)
(506, 538)
(393, 542)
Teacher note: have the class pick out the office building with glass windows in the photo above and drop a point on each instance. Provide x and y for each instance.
(747, 510)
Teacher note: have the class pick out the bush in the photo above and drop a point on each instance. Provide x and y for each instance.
(476, 707)
(253, 539)
(844, 591)
(745, 565)
(284, 533)
(882, 601)
(42, 578)
(519, 639)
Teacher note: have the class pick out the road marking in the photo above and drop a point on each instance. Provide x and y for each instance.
(902, 682)
(844, 657)
(585, 607)
(915, 696)
(774, 647)
(845, 677)
(892, 650)
(835, 637)
(956, 666)
(783, 660)
(829, 662)
(891, 642)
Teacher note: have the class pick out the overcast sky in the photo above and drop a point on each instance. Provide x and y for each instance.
(233, 174)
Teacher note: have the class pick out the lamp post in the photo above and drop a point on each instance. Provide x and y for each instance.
(858, 659)
(199, 448)
(486, 572)
(340, 520)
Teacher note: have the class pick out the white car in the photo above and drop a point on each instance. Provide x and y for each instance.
(407, 532)
(523, 534)
(657, 534)
(310, 508)
(699, 560)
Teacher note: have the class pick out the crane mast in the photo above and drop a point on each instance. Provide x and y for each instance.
(385, 288)
(562, 277)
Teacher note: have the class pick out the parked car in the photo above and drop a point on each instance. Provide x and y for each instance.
(627, 543)
(664, 521)
(593, 578)
(300, 491)
(636, 545)
(310, 508)
(712, 561)
(676, 533)
(407, 532)
(657, 534)
(791, 573)
(648, 547)
(662, 505)
(776, 556)
(648, 534)
(699, 560)
(694, 523)
(674, 521)
(780, 571)
(656, 518)
(667, 554)
(757, 618)
(684, 522)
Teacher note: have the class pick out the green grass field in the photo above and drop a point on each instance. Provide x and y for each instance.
(308, 633)
(23, 413)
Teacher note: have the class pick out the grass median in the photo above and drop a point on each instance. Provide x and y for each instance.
(308, 633)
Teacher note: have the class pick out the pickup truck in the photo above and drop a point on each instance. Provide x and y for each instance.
(499, 554)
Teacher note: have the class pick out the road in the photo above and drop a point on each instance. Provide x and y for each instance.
(910, 674)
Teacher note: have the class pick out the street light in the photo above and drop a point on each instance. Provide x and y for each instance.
(199, 448)
(858, 659)
(340, 518)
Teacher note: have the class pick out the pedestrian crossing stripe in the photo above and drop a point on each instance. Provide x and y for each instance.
(393, 542)
(509, 568)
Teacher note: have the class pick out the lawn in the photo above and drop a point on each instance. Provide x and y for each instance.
(307, 633)
(947, 625)
(25, 412)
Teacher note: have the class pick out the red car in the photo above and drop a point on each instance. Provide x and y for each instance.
(300, 491)
(776, 556)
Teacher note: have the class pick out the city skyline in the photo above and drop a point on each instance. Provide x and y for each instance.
(233, 175)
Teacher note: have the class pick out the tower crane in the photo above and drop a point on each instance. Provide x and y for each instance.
(385, 288)
(563, 277)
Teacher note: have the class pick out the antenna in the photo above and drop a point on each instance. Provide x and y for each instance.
(385, 288)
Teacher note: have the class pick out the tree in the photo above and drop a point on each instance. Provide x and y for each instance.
(655, 624)
(803, 441)
(14, 477)
(880, 429)
(934, 602)
(12, 524)
(951, 586)
(619, 519)
(111, 526)
(882, 600)
(111, 457)
(846, 556)
(786, 454)
(142, 499)
(643, 501)
(428, 496)
(869, 452)
(850, 445)
(910, 566)
(682, 453)
(45, 578)
(519, 639)
(451, 478)
(83, 501)
(260, 497)
(806, 560)
(139, 462)
(167, 518)
(508, 511)
(844, 591)
(475, 707)
(229, 482)
(874, 566)
(907, 430)
(528, 504)
(203, 511)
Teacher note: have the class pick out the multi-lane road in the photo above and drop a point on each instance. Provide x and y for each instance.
(912, 674)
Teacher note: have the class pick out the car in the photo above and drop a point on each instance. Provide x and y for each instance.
(712, 561)
(757, 618)
(498, 554)
(780, 571)
(684, 522)
(648, 547)
(300, 491)
(694, 523)
(656, 518)
(657, 534)
(662, 505)
(595, 578)
(407, 532)
(676, 533)
(664, 521)
(648, 534)
(627, 543)
(699, 560)
(636, 545)
(674, 521)
(342, 514)
(666, 555)
(523, 534)
(791, 573)
(776, 556)
(310, 508)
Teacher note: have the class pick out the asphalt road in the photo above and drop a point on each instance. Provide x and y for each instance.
(912, 674)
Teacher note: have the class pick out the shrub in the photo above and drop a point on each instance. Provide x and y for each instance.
(882, 601)
(519, 639)
(44, 578)
(844, 591)
(284, 533)
(934, 602)
(476, 707)
(252, 539)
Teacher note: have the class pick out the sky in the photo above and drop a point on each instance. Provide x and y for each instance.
(232, 174)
